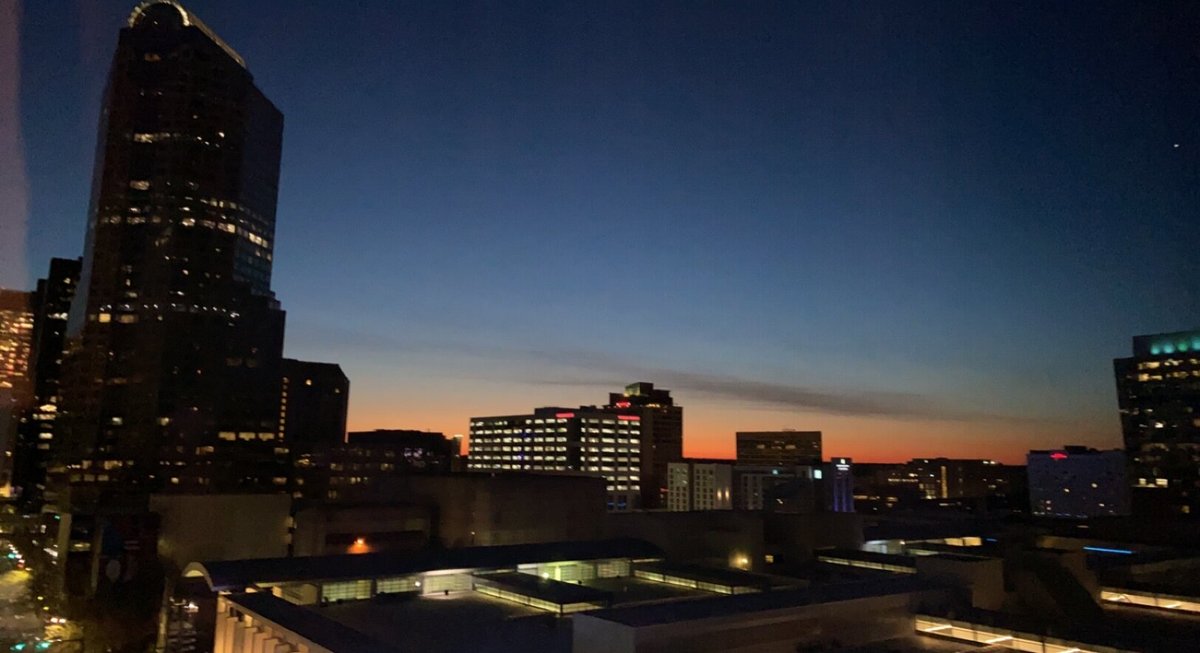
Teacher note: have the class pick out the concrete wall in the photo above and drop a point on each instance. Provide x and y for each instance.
(221, 526)
(480, 509)
(329, 530)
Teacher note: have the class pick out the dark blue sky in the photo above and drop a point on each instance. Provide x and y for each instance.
(925, 223)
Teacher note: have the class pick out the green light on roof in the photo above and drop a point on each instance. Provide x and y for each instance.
(1155, 350)
(1182, 345)
(1168, 348)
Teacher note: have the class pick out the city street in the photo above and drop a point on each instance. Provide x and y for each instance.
(18, 619)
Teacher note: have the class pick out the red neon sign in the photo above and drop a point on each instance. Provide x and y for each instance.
(564, 415)
(1058, 455)
(623, 404)
(632, 418)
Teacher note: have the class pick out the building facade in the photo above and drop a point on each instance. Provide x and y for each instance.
(778, 448)
(35, 439)
(16, 343)
(662, 435)
(1078, 482)
(16, 387)
(1158, 393)
(699, 485)
(588, 441)
(358, 469)
(313, 402)
(174, 340)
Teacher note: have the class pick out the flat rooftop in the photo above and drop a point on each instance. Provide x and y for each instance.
(237, 574)
(465, 621)
(545, 588)
(716, 576)
(721, 606)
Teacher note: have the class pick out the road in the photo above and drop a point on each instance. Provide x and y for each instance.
(18, 617)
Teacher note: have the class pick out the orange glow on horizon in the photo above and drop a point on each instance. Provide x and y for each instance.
(709, 431)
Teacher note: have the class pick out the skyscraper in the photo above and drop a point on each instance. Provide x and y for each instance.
(662, 435)
(16, 343)
(1158, 391)
(175, 338)
(36, 437)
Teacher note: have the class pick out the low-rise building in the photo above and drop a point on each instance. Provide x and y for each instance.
(699, 485)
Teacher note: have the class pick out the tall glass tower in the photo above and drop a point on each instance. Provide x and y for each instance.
(171, 375)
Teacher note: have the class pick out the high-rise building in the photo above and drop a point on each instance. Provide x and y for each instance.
(662, 435)
(586, 440)
(1078, 482)
(314, 398)
(36, 438)
(16, 343)
(172, 368)
(778, 448)
(700, 485)
(1158, 392)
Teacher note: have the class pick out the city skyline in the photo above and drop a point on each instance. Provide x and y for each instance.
(866, 309)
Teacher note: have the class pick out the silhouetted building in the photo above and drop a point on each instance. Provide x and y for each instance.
(835, 485)
(583, 440)
(700, 485)
(36, 439)
(1078, 482)
(1158, 391)
(313, 402)
(778, 448)
(355, 470)
(662, 435)
(175, 338)
(951, 478)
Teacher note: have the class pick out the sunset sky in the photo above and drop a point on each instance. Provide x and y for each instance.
(921, 230)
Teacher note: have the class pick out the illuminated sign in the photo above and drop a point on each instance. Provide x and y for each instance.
(1058, 455)
(564, 415)
(631, 418)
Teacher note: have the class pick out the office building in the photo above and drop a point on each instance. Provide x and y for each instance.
(700, 485)
(582, 440)
(16, 387)
(1158, 393)
(1078, 482)
(313, 401)
(35, 440)
(662, 435)
(950, 478)
(755, 487)
(778, 448)
(16, 343)
(356, 470)
(172, 368)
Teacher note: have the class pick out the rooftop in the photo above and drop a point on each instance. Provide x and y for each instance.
(722, 606)
(310, 625)
(237, 574)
